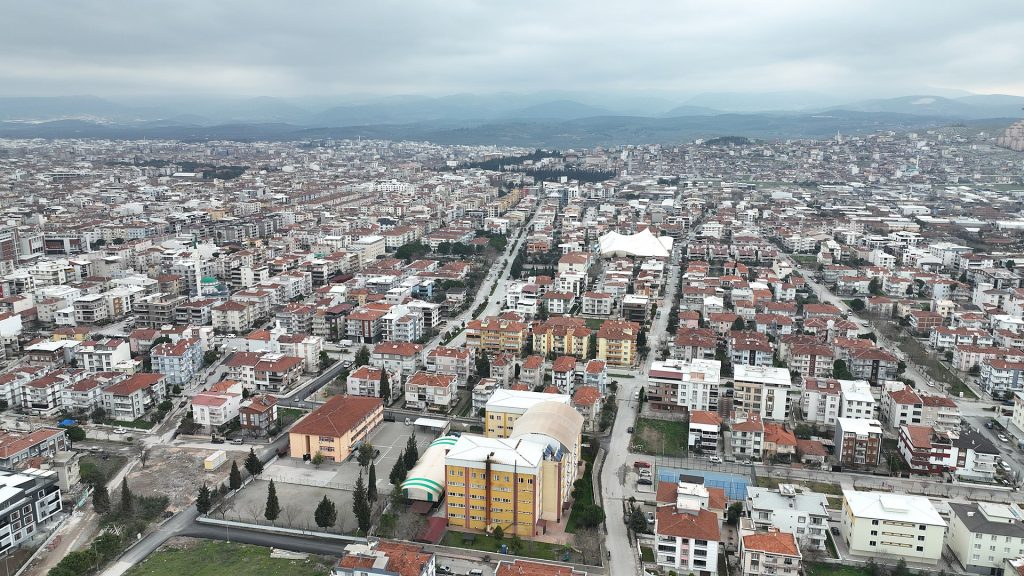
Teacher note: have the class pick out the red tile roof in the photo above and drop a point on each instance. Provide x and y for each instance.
(772, 542)
(337, 416)
(700, 526)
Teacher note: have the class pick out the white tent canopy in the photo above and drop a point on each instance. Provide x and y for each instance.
(643, 244)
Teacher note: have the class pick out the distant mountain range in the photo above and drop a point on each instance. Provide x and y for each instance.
(543, 119)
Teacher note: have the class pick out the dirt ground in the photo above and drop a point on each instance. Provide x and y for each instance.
(178, 474)
(297, 506)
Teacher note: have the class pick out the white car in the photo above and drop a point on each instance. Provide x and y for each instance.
(1005, 466)
(120, 430)
(715, 459)
(1003, 438)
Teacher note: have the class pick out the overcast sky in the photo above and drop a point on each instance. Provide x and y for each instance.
(252, 47)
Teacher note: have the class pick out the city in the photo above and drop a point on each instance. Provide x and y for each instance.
(470, 290)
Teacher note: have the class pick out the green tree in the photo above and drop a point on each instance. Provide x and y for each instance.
(318, 459)
(637, 520)
(515, 544)
(235, 477)
(365, 454)
(840, 371)
(361, 506)
(589, 515)
(371, 484)
(412, 452)
(98, 415)
(253, 464)
(592, 346)
(325, 360)
(857, 304)
(498, 533)
(738, 324)
(900, 569)
(542, 312)
(483, 364)
(874, 286)
(732, 517)
(873, 568)
(273, 507)
(100, 499)
(127, 500)
(204, 501)
(362, 357)
(385, 387)
(326, 514)
(398, 471)
(76, 433)
(209, 357)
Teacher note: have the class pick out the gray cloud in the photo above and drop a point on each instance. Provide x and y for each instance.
(251, 47)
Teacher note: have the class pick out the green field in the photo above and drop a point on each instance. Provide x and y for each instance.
(594, 323)
(207, 558)
(665, 437)
(141, 423)
(487, 543)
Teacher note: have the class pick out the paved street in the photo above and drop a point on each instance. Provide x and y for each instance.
(617, 459)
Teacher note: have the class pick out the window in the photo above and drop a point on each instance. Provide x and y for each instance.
(874, 522)
(871, 543)
(920, 538)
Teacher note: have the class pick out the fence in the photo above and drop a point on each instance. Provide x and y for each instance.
(279, 529)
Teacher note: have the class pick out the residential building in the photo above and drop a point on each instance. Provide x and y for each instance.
(399, 357)
(927, 451)
(31, 498)
(820, 401)
(617, 342)
(890, 527)
(773, 553)
(258, 414)
(856, 400)
(983, 535)
(680, 385)
(595, 373)
(495, 334)
(19, 449)
(563, 374)
(215, 409)
(901, 406)
(335, 428)
(790, 509)
(588, 401)
(562, 335)
(858, 442)
(130, 398)
(873, 365)
(433, 391)
(365, 381)
(763, 391)
(705, 429)
(687, 534)
(747, 438)
(520, 567)
(179, 361)
(458, 361)
(109, 355)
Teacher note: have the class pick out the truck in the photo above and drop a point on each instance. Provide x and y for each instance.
(215, 460)
(345, 343)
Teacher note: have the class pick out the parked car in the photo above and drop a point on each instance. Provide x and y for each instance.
(641, 464)
(445, 571)
(715, 459)
(237, 441)
(1005, 466)
(645, 481)
(629, 430)
(120, 430)
(650, 517)
(1003, 438)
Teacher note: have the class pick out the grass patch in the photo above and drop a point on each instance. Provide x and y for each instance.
(834, 502)
(830, 545)
(487, 543)
(822, 569)
(95, 470)
(647, 554)
(289, 415)
(140, 423)
(209, 558)
(805, 259)
(827, 488)
(665, 437)
(594, 323)
(959, 387)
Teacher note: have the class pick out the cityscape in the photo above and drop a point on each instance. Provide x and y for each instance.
(754, 327)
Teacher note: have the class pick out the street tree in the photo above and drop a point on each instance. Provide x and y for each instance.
(235, 477)
(204, 501)
(361, 506)
(371, 484)
(385, 387)
(412, 452)
(273, 508)
(127, 500)
(398, 471)
(100, 499)
(365, 454)
(253, 464)
(362, 357)
(326, 514)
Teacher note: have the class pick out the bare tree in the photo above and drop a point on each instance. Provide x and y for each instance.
(588, 542)
(289, 513)
(254, 509)
(143, 452)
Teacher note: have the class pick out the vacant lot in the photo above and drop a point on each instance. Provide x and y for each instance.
(191, 557)
(297, 506)
(178, 474)
(822, 569)
(820, 487)
(665, 437)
